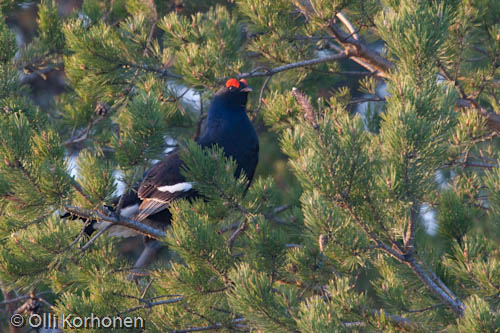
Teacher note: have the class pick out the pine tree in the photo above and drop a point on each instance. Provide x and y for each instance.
(331, 236)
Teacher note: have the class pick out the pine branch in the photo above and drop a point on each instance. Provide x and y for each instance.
(161, 71)
(429, 279)
(121, 220)
(356, 48)
(359, 52)
(441, 291)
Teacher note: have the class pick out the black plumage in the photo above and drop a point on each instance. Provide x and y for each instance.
(228, 126)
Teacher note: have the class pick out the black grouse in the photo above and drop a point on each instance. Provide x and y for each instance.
(228, 126)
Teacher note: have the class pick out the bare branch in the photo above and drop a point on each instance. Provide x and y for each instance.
(294, 65)
(93, 239)
(348, 25)
(122, 220)
(400, 321)
(443, 294)
(239, 230)
(22, 298)
(368, 99)
(261, 95)
(84, 135)
(199, 329)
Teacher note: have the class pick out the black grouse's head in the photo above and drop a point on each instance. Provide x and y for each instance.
(234, 94)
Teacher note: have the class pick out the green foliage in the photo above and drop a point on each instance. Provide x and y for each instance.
(281, 111)
(142, 127)
(475, 264)
(329, 237)
(9, 82)
(479, 317)
(212, 174)
(454, 218)
(206, 46)
(49, 25)
(45, 243)
(96, 179)
(267, 308)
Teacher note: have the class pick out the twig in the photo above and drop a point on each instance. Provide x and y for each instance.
(241, 228)
(350, 324)
(279, 209)
(305, 63)
(369, 99)
(233, 226)
(162, 72)
(93, 239)
(150, 305)
(147, 287)
(348, 25)
(32, 304)
(396, 319)
(80, 137)
(80, 235)
(22, 298)
(41, 299)
(198, 329)
(199, 315)
(151, 33)
(432, 307)
(197, 133)
(83, 136)
(261, 95)
(409, 238)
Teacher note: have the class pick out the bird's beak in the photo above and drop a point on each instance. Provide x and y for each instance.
(247, 89)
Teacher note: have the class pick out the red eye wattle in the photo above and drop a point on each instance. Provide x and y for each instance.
(232, 83)
(244, 82)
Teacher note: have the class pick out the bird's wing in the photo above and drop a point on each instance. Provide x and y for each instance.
(162, 184)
